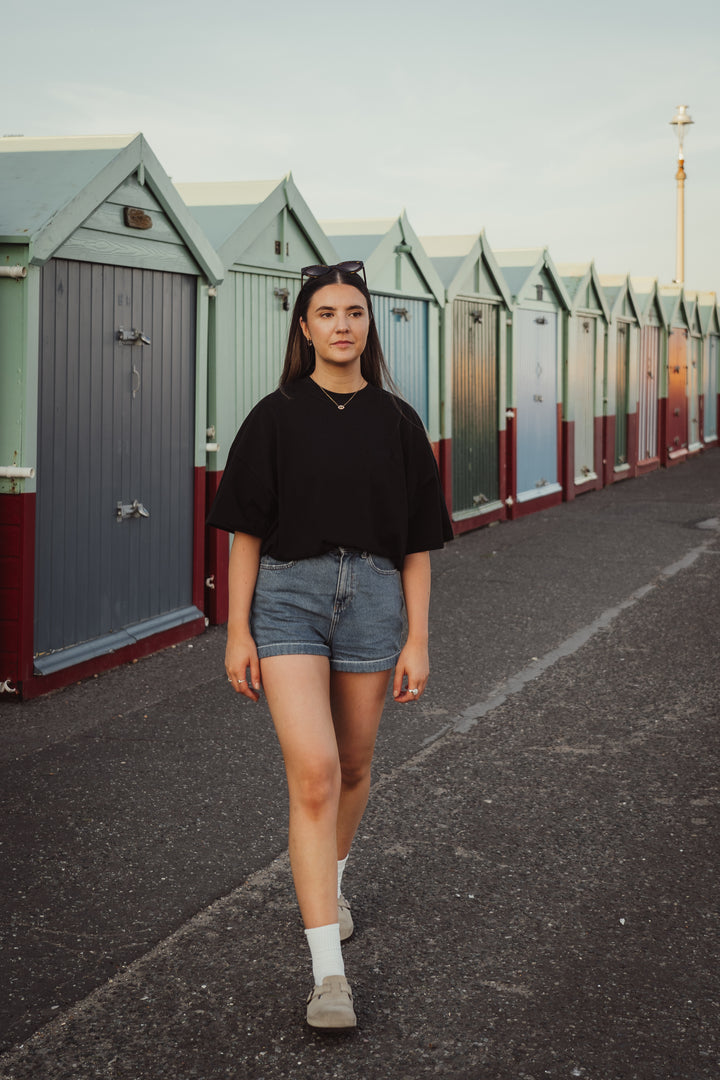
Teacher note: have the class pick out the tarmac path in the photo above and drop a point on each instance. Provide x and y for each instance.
(535, 882)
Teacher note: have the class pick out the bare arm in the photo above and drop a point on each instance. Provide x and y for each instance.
(414, 663)
(241, 653)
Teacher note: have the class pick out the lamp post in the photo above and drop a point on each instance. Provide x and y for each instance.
(681, 122)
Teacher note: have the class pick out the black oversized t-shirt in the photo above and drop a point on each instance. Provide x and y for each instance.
(307, 477)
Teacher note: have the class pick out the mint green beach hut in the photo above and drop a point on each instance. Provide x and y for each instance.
(104, 286)
(264, 233)
(474, 364)
(408, 300)
(583, 371)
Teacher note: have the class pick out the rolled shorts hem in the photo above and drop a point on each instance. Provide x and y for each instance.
(301, 648)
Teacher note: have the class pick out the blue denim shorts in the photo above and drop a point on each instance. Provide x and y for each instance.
(346, 605)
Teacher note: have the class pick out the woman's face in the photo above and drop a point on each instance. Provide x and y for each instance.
(337, 323)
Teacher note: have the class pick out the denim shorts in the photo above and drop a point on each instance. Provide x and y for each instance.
(346, 605)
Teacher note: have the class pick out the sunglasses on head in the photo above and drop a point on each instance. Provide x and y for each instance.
(352, 267)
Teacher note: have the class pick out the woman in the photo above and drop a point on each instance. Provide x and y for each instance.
(332, 492)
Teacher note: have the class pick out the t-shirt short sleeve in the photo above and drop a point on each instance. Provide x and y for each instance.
(246, 500)
(429, 525)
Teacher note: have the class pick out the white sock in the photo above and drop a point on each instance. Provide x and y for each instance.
(341, 867)
(324, 942)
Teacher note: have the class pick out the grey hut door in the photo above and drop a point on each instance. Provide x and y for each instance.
(586, 335)
(403, 330)
(694, 384)
(115, 443)
(537, 422)
(475, 406)
(648, 404)
(621, 393)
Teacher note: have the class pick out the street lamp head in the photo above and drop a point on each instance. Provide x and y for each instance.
(681, 121)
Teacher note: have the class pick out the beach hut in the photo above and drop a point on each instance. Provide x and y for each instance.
(651, 354)
(540, 302)
(707, 309)
(408, 300)
(621, 378)
(264, 233)
(474, 363)
(673, 433)
(103, 336)
(695, 376)
(582, 422)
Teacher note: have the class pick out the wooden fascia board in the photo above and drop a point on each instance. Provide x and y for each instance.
(233, 249)
(308, 222)
(422, 260)
(383, 251)
(169, 198)
(561, 292)
(594, 277)
(475, 253)
(71, 216)
(482, 253)
(633, 300)
(495, 271)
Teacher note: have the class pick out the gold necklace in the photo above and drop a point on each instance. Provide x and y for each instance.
(335, 403)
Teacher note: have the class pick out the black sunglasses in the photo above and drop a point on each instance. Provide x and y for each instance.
(352, 267)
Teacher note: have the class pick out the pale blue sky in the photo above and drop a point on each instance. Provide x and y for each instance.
(544, 123)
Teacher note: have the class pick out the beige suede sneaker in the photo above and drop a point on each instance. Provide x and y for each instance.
(345, 918)
(330, 1006)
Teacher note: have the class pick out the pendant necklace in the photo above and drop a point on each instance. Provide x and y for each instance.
(337, 405)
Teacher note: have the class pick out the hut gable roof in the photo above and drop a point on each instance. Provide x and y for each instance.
(377, 242)
(52, 185)
(584, 289)
(235, 214)
(675, 309)
(645, 290)
(466, 264)
(523, 268)
(707, 308)
(620, 296)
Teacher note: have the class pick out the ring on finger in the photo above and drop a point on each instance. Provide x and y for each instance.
(415, 692)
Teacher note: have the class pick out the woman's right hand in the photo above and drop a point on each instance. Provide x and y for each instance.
(240, 658)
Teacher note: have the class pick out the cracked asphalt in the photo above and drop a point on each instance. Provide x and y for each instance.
(535, 884)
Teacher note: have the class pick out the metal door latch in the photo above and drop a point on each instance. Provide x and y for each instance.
(134, 509)
(537, 397)
(132, 337)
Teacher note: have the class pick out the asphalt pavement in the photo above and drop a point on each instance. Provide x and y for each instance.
(535, 883)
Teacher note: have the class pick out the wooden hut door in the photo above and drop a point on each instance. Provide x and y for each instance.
(622, 356)
(647, 405)
(584, 384)
(114, 522)
(694, 383)
(475, 406)
(677, 420)
(710, 389)
(403, 329)
(536, 395)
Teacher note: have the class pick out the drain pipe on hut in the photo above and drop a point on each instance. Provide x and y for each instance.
(16, 272)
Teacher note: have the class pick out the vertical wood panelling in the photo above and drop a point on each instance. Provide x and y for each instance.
(582, 388)
(475, 405)
(622, 356)
(694, 383)
(677, 426)
(100, 443)
(405, 344)
(710, 388)
(536, 394)
(262, 326)
(648, 392)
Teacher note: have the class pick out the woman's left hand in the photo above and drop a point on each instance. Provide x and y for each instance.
(414, 666)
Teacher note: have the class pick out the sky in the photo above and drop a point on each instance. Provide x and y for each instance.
(545, 124)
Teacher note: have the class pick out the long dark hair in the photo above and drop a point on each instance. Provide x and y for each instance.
(300, 356)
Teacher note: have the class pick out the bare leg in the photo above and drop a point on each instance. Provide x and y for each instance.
(357, 702)
(298, 694)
